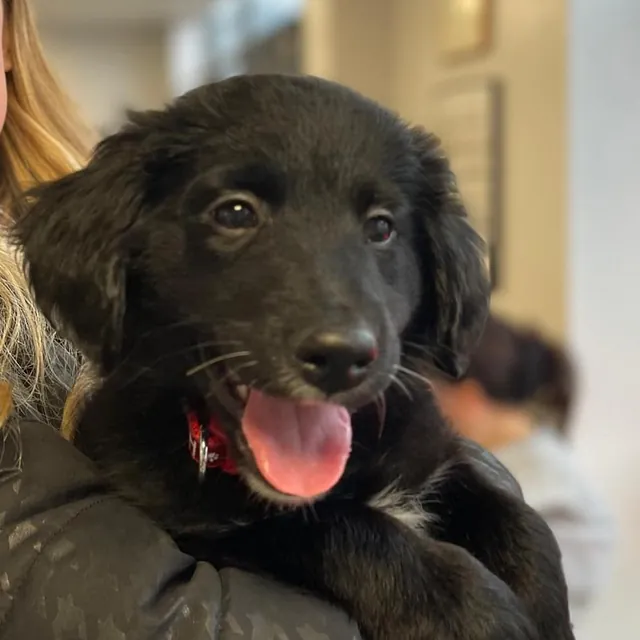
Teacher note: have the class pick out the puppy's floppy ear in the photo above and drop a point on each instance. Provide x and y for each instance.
(73, 233)
(455, 282)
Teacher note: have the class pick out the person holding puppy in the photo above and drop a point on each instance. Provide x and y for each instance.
(75, 561)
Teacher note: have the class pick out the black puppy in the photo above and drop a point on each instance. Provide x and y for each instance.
(257, 270)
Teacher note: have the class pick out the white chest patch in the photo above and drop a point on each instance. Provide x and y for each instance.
(402, 506)
(409, 508)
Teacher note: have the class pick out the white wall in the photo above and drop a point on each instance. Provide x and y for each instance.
(604, 277)
(106, 68)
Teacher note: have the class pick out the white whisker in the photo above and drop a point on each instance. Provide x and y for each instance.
(381, 406)
(216, 360)
(233, 371)
(413, 374)
(402, 386)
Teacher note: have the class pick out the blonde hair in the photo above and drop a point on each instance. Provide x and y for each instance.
(42, 140)
(37, 364)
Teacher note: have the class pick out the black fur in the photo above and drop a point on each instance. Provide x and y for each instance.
(125, 257)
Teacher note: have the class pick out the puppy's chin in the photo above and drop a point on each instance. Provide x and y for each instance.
(262, 489)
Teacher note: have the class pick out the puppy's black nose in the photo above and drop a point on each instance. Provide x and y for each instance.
(337, 360)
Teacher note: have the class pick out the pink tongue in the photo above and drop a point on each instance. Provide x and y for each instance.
(300, 449)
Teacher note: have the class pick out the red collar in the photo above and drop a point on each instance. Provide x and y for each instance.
(212, 452)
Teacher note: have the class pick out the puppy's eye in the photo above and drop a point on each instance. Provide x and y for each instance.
(379, 229)
(235, 215)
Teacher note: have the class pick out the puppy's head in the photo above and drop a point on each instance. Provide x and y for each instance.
(294, 235)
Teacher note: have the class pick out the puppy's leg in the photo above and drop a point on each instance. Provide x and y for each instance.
(508, 538)
(393, 583)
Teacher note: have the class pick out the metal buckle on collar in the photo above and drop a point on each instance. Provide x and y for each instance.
(203, 458)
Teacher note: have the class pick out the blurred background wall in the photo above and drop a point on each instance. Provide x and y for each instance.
(112, 55)
(571, 122)
(109, 68)
(603, 293)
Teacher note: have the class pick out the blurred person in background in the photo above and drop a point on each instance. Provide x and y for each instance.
(515, 400)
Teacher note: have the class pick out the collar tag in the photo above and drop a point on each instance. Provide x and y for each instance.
(208, 446)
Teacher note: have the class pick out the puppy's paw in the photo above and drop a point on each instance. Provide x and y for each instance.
(470, 603)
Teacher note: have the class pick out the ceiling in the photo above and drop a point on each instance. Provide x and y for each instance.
(79, 12)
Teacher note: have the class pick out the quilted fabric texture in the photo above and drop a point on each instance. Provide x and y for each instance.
(77, 563)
